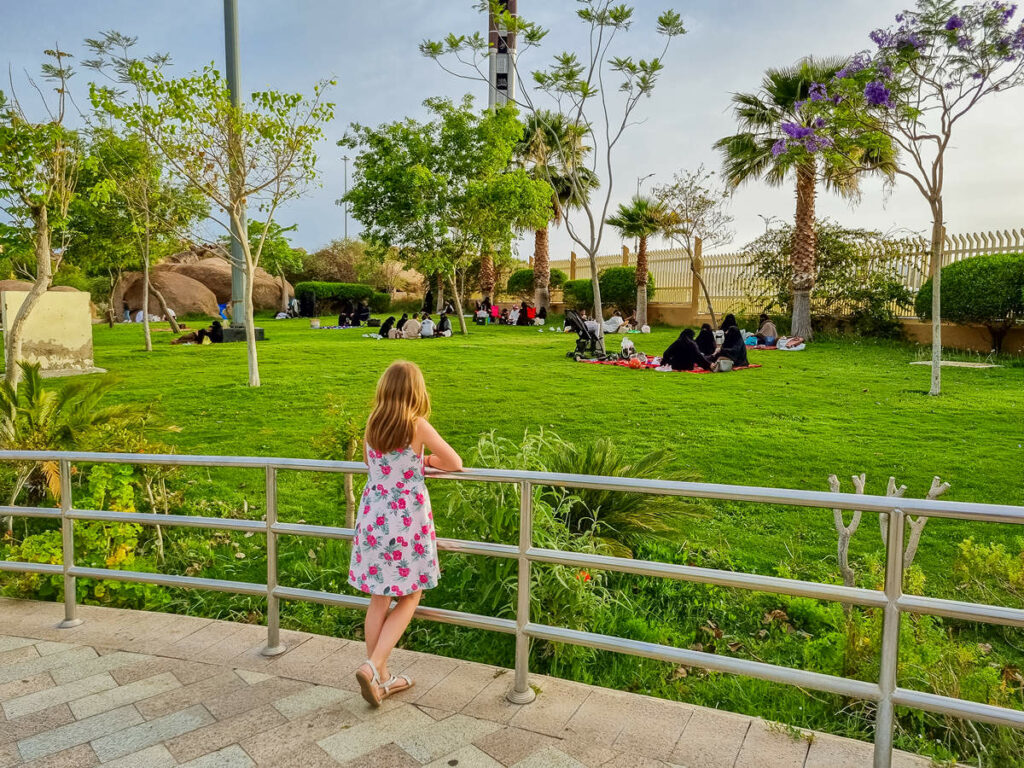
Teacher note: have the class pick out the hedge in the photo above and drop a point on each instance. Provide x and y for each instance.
(618, 289)
(988, 290)
(520, 282)
(332, 294)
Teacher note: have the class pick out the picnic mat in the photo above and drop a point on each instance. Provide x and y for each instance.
(650, 365)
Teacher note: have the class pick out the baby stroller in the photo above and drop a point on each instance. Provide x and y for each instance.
(588, 345)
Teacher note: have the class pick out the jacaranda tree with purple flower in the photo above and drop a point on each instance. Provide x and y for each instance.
(780, 139)
(923, 76)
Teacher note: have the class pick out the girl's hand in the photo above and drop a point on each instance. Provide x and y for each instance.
(442, 455)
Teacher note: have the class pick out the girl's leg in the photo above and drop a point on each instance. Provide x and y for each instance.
(375, 616)
(392, 631)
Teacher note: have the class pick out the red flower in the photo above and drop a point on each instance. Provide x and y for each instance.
(396, 555)
(423, 578)
(366, 509)
(419, 498)
(351, 576)
(373, 570)
(419, 549)
(396, 591)
(417, 537)
(433, 536)
(406, 521)
(371, 540)
(399, 484)
(401, 503)
(380, 520)
(408, 474)
(584, 575)
(403, 572)
(359, 558)
(386, 470)
(364, 587)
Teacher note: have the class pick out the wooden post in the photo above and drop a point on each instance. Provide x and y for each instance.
(572, 265)
(625, 255)
(698, 265)
(531, 262)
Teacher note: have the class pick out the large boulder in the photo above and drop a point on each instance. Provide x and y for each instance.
(182, 294)
(15, 285)
(215, 274)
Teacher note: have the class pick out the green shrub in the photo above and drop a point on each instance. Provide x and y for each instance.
(327, 297)
(380, 302)
(988, 290)
(520, 282)
(618, 290)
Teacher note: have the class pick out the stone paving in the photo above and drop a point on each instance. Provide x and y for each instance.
(130, 688)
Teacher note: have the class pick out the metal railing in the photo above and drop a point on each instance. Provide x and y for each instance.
(886, 692)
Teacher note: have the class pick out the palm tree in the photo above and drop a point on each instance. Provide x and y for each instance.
(553, 150)
(748, 155)
(640, 218)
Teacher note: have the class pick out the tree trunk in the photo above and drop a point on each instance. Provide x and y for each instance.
(350, 493)
(641, 282)
(458, 304)
(440, 292)
(598, 310)
(938, 235)
(487, 276)
(284, 291)
(541, 271)
(44, 276)
(803, 250)
(145, 303)
(250, 324)
(165, 310)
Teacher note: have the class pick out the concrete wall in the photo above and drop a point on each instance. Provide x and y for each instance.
(58, 332)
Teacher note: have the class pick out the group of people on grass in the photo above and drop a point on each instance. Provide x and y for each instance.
(416, 327)
(690, 351)
(353, 314)
(485, 312)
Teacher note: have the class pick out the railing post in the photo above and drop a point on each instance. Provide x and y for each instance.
(890, 653)
(273, 647)
(67, 535)
(521, 692)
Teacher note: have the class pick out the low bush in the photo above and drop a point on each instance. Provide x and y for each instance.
(520, 282)
(318, 297)
(380, 302)
(988, 290)
(618, 290)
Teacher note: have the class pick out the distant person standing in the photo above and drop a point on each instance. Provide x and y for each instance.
(127, 312)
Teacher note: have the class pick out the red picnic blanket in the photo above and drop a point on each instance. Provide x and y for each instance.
(651, 365)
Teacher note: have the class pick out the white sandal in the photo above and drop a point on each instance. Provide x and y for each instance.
(395, 680)
(369, 685)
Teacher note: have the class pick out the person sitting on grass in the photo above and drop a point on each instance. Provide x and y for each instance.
(733, 348)
(402, 321)
(683, 355)
(542, 316)
(386, 326)
(611, 325)
(215, 334)
(513, 315)
(411, 328)
(503, 319)
(706, 340)
(523, 318)
(426, 327)
(444, 325)
(767, 334)
(728, 322)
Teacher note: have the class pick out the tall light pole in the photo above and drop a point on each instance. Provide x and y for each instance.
(501, 63)
(237, 255)
(640, 180)
(346, 158)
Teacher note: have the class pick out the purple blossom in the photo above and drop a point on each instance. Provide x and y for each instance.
(819, 122)
(955, 22)
(877, 95)
(779, 147)
(1009, 12)
(853, 66)
(797, 131)
(881, 38)
(885, 71)
(818, 92)
(963, 42)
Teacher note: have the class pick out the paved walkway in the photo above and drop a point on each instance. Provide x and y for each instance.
(130, 688)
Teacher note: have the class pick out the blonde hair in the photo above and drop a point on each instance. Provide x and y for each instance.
(401, 398)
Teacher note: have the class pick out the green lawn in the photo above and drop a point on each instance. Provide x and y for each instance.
(839, 406)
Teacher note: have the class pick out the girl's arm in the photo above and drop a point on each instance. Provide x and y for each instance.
(442, 456)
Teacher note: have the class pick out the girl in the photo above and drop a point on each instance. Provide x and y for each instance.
(393, 551)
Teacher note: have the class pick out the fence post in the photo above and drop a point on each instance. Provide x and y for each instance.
(67, 536)
(572, 265)
(521, 692)
(273, 647)
(696, 265)
(625, 255)
(890, 653)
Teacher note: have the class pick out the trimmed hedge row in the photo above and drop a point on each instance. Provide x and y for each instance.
(982, 289)
(618, 289)
(335, 293)
(520, 282)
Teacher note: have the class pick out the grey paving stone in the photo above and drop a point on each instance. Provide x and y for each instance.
(29, 725)
(549, 757)
(48, 647)
(254, 696)
(427, 673)
(10, 643)
(223, 733)
(66, 674)
(125, 694)
(247, 637)
(187, 672)
(204, 690)
(26, 685)
(156, 756)
(651, 727)
(600, 718)
(438, 738)
(60, 694)
(78, 732)
(280, 745)
(711, 738)
(302, 662)
(390, 755)
(554, 706)
(466, 757)
(312, 699)
(191, 645)
(510, 745)
(145, 734)
(491, 703)
(374, 732)
(459, 687)
(768, 739)
(17, 655)
(29, 667)
(81, 756)
(250, 677)
(229, 757)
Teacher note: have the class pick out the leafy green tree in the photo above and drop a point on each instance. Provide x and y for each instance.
(259, 155)
(640, 218)
(573, 87)
(922, 77)
(39, 164)
(766, 120)
(552, 149)
(441, 194)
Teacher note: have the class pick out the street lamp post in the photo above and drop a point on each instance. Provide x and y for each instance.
(237, 255)
(345, 198)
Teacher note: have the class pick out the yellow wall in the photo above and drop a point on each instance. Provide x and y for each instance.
(58, 332)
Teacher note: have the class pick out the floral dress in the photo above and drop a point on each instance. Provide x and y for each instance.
(393, 552)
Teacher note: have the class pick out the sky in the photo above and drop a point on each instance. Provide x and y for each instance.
(371, 48)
